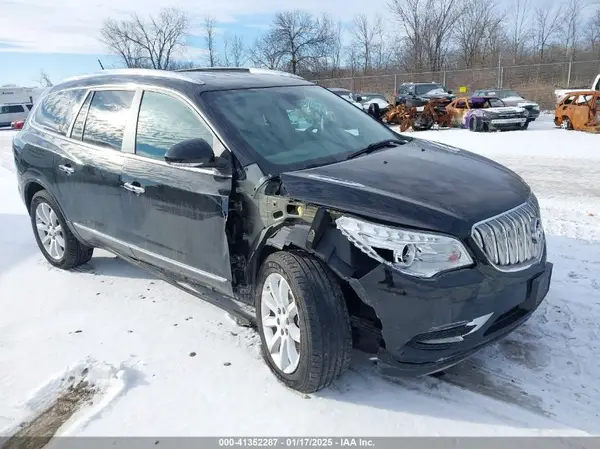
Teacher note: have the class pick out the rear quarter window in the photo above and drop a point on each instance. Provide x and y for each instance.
(57, 110)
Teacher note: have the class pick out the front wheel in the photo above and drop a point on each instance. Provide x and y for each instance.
(566, 123)
(303, 321)
(55, 240)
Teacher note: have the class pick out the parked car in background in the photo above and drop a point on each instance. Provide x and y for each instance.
(511, 98)
(339, 233)
(11, 112)
(418, 94)
(346, 95)
(486, 114)
(561, 93)
(369, 100)
(579, 111)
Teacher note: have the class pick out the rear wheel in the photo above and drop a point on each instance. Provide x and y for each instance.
(303, 321)
(55, 240)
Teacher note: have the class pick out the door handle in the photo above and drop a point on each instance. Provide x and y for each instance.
(133, 188)
(67, 169)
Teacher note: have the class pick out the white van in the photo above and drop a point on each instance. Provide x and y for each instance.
(11, 112)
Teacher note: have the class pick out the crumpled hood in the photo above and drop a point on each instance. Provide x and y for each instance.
(420, 184)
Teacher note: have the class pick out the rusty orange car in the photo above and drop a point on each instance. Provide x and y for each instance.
(579, 110)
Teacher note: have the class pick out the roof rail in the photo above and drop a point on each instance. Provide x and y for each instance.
(253, 70)
(132, 71)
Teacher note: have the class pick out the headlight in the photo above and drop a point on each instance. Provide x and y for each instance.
(420, 254)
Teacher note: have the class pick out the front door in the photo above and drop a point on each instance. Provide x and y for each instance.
(176, 216)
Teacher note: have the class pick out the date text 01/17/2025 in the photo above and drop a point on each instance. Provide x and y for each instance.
(296, 442)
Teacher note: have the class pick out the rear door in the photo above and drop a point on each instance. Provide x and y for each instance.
(176, 216)
(95, 163)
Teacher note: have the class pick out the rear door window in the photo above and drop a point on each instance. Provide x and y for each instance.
(107, 118)
(164, 121)
(57, 110)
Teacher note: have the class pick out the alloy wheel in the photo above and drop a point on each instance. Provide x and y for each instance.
(50, 231)
(280, 323)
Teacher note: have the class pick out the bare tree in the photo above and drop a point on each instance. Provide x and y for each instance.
(519, 28)
(473, 29)
(428, 26)
(238, 50)
(147, 43)
(592, 33)
(301, 37)
(233, 50)
(572, 19)
(364, 33)
(336, 48)
(209, 37)
(547, 25)
(264, 52)
(44, 79)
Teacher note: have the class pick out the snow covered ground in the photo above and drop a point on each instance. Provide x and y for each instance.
(163, 363)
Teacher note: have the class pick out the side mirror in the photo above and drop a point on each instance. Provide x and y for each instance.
(359, 99)
(450, 92)
(193, 153)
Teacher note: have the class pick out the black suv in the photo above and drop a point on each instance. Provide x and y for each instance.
(418, 94)
(282, 203)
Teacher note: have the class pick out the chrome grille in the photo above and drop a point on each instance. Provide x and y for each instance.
(513, 240)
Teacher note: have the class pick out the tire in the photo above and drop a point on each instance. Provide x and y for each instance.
(525, 126)
(74, 253)
(475, 124)
(325, 340)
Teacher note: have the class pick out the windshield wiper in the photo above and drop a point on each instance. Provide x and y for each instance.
(387, 143)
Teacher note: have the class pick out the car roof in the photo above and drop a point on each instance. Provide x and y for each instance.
(582, 92)
(203, 79)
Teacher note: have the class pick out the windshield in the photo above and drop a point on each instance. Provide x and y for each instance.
(422, 89)
(293, 127)
(507, 94)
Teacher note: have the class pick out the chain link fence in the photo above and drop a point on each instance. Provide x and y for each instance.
(534, 82)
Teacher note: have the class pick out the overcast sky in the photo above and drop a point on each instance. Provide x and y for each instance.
(61, 36)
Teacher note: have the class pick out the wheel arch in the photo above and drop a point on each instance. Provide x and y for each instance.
(326, 243)
(35, 185)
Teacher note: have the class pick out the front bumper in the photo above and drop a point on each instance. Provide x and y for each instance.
(430, 325)
(505, 123)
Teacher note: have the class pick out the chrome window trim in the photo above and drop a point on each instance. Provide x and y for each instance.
(152, 254)
(72, 124)
(485, 222)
